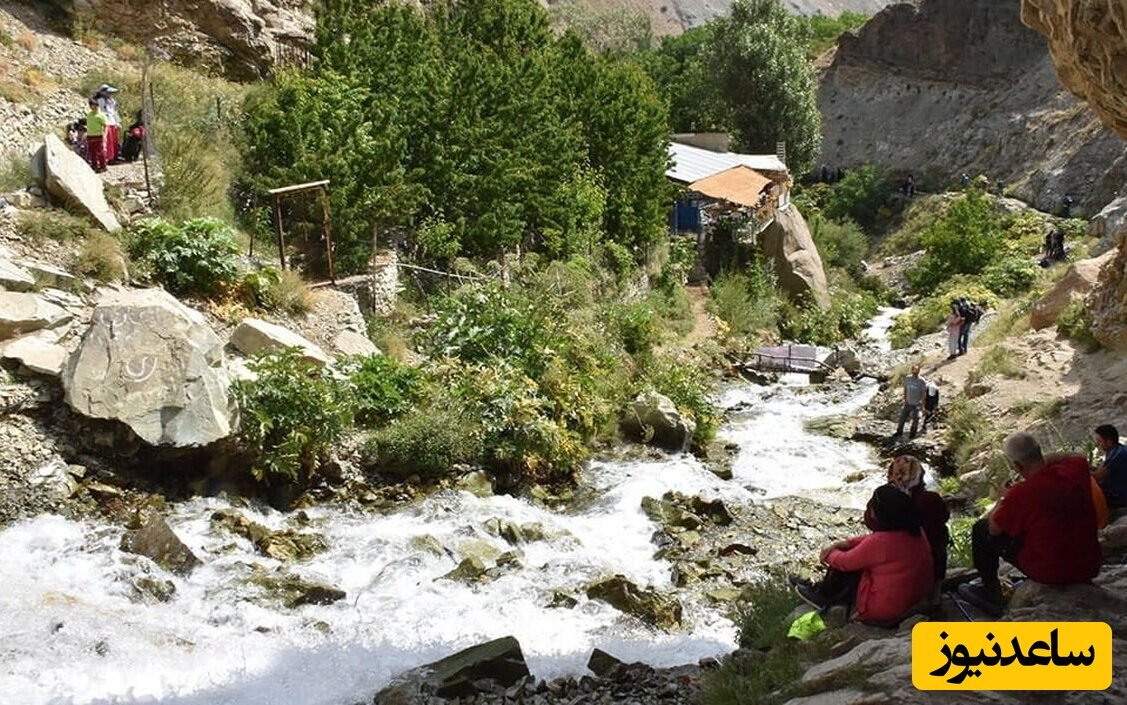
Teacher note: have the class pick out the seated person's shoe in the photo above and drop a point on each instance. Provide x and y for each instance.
(812, 596)
(985, 597)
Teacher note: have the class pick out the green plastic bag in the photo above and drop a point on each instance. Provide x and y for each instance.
(806, 626)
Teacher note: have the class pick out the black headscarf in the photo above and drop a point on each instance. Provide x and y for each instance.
(892, 510)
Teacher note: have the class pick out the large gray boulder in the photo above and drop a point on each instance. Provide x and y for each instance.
(153, 364)
(254, 335)
(654, 418)
(499, 662)
(22, 312)
(70, 179)
(788, 243)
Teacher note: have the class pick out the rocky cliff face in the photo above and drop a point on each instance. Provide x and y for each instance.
(1088, 41)
(240, 38)
(942, 87)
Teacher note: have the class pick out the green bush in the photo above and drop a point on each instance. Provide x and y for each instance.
(382, 388)
(850, 309)
(688, 387)
(746, 301)
(840, 243)
(1075, 323)
(864, 196)
(929, 313)
(1010, 276)
(198, 257)
(290, 416)
(959, 555)
(635, 326)
(101, 257)
(964, 240)
(968, 428)
(428, 442)
(762, 613)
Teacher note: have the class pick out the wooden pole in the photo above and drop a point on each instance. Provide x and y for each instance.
(278, 225)
(146, 119)
(327, 230)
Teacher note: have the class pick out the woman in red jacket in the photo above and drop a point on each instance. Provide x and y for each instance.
(883, 574)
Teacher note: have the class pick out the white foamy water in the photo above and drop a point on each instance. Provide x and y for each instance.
(73, 631)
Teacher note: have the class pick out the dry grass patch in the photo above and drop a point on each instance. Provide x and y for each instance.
(101, 257)
(27, 40)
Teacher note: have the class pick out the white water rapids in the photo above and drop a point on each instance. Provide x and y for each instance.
(72, 632)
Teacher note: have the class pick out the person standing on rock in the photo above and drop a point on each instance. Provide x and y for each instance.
(108, 104)
(95, 137)
(954, 330)
(915, 389)
(1112, 472)
(1045, 525)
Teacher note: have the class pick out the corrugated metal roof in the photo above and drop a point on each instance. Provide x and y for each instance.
(693, 163)
(740, 185)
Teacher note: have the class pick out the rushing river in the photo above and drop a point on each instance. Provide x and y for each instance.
(74, 632)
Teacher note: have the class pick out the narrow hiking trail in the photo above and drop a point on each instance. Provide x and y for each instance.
(704, 324)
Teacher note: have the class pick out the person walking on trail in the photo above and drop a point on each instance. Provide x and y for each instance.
(96, 137)
(1112, 472)
(970, 315)
(108, 103)
(1045, 525)
(954, 331)
(915, 388)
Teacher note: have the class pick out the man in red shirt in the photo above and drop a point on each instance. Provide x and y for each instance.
(1045, 525)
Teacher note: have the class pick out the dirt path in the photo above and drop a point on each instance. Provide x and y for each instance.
(704, 325)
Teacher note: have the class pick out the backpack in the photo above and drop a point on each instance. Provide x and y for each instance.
(974, 313)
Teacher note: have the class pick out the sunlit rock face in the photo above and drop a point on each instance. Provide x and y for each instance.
(1088, 41)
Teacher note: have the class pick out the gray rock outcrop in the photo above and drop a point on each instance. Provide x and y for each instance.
(254, 335)
(69, 178)
(1076, 284)
(22, 312)
(647, 604)
(36, 354)
(14, 277)
(471, 671)
(153, 364)
(1108, 224)
(788, 243)
(654, 418)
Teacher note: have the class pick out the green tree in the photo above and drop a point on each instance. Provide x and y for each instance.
(677, 68)
(964, 240)
(765, 82)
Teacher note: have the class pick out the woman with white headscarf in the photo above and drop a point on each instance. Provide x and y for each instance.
(108, 105)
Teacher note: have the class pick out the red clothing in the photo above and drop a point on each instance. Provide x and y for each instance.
(96, 152)
(896, 573)
(1053, 515)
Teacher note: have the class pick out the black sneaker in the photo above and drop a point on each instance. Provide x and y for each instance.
(987, 598)
(812, 596)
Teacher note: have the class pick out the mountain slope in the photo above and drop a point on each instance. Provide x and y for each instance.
(942, 87)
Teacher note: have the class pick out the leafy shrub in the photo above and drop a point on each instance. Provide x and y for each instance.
(1010, 276)
(863, 196)
(762, 613)
(635, 326)
(849, 311)
(101, 257)
(383, 388)
(747, 302)
(964, 240)
(1075, 323)
(840, 243)
(960, 555)
(290, 416)
(687, 386)
(198, 257)
(272, 289)
(427, 442)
